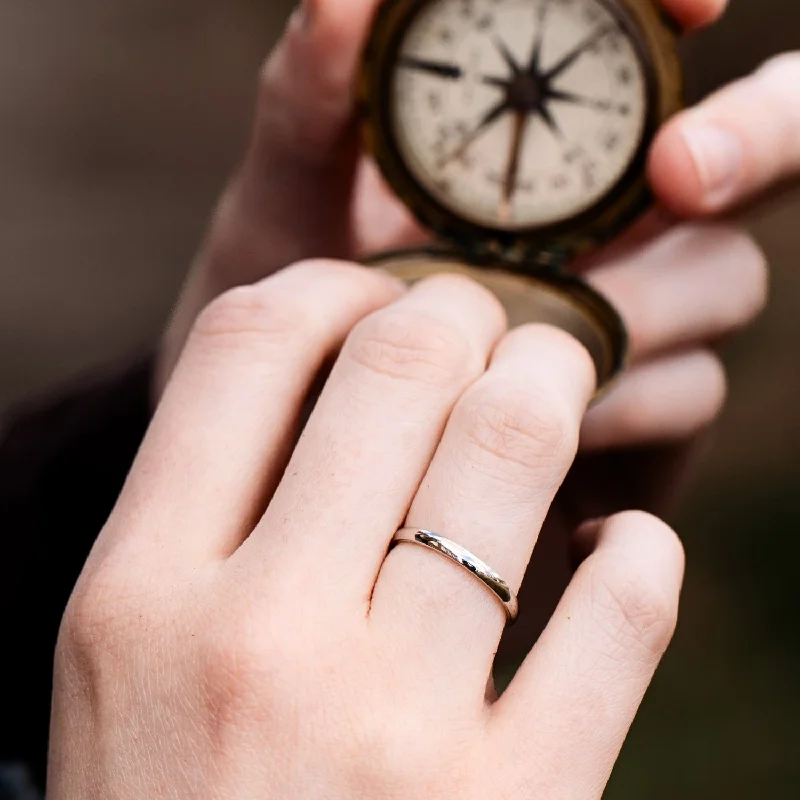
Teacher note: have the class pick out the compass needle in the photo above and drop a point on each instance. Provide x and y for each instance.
(585, 45)
(487, 121)
(438, 68)
(512, 172)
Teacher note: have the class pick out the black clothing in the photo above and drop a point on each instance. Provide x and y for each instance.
(62, 466)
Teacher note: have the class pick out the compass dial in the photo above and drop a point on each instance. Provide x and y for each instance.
(518, 114)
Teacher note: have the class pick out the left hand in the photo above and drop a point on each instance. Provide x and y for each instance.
(242, 628)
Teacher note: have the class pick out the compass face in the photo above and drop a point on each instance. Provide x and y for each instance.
(518, 114)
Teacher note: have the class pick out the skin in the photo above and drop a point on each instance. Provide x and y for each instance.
(240, 629)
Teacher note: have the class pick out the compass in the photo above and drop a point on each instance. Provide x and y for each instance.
(517, 132)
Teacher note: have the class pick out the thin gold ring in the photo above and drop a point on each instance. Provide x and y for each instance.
(471, 563)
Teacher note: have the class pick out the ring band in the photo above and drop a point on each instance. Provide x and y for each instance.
(472, 564)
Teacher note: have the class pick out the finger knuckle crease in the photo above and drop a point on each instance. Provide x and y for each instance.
(412, 346)
(635, 615)
(253, 316)
(529, 429)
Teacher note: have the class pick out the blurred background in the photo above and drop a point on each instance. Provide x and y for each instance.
(119, 121)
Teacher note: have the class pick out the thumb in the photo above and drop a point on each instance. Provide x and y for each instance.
(292, 196)
(738, 144)
(306, 92)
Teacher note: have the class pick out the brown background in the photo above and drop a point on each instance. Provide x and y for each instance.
(119, 120)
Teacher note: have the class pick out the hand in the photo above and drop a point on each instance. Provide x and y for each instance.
(303, 189)
(512, 171)
(240, 630)
(731, 150)
(680, 288)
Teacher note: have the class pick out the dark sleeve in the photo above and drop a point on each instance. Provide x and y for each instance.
(62, 466)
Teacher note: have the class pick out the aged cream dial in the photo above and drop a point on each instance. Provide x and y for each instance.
(518, 114)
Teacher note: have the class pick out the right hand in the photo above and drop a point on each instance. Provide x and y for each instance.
(241, 629)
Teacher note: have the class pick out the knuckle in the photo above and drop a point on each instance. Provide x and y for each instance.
(254, 316)
(99, 618)
(636, 615)
(410, 345)
(526, 427)
(85, 621)
(483, 300)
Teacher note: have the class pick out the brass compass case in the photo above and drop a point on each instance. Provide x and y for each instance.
(525, 265)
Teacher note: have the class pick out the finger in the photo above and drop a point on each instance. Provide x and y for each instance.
(383, 222)
(292, 197)
(506, 450)
(695, 13)
(692, 285)
(221, 436)
(654, 224)
(585, 678)
(737, 143)
(661, 402)
(368, 443)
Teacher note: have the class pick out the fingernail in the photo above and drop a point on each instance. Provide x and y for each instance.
(718, 157)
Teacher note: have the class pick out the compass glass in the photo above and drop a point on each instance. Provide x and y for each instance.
(518, 114)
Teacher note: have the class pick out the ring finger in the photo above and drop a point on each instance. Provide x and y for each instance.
(370, 439)
(506, 449)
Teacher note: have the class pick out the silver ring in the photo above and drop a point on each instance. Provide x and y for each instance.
(472, 564)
